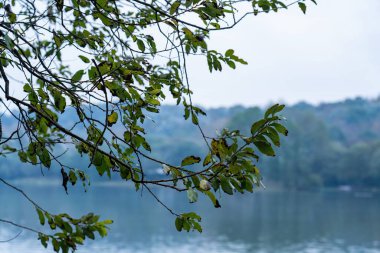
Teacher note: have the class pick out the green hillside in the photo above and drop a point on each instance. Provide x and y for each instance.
(329, 145)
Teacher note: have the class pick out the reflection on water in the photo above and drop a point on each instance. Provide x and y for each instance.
(260, 222)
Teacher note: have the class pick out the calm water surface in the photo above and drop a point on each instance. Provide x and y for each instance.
(265, 221)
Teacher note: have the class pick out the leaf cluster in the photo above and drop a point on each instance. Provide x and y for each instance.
(130, 56)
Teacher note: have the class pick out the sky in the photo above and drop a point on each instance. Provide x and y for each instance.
(329, 54)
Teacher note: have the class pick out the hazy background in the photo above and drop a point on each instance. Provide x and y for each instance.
(331, 53)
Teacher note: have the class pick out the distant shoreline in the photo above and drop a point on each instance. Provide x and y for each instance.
(38, 182)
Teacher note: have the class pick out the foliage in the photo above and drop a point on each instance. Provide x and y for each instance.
(128, 54)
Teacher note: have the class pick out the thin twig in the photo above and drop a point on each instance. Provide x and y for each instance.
(18, 234)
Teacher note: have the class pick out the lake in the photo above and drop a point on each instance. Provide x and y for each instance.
(265, 221)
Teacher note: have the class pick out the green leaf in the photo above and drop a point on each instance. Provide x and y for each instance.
(57, 40)
(302, 7)
(107, 222)
(97, 159)
(72, 177)
(23, 156)
(174, 7)
(215, 183)
(179, 223)
(186, 225)
(197, 226)
(44, 239)
(191, 215)
(265, 148)
(190, 160)
(9, 148)
(171, 24)
(213, 199)
(208, 159)
(8, 41)
(152, 101)
(194, 119)
(33, 98)
(273, 110)
(257, 125)
(141, 45)
(195, 180)
(112, 118)
(77, 76)
(84, 59)
(62, 104)
(146, 145)
(102, 231)
(102, 3)
(105, 20)
(236, 185)
(55, 245)
(229, 53)
(41, 216)
(192, 195)
(231, 64)
(12, 17)
(152, 45)
(226, 186)
(27, 88)
(59, 101)
(247, 185)
(273, 135)
(280, 128)
(45, 157)
(127, 136)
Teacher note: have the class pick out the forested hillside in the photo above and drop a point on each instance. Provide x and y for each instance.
(328, 145)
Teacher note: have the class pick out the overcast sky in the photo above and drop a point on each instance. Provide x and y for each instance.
(329, 54)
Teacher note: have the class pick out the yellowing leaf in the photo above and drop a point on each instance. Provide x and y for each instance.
(190, 160)
(112, 118)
